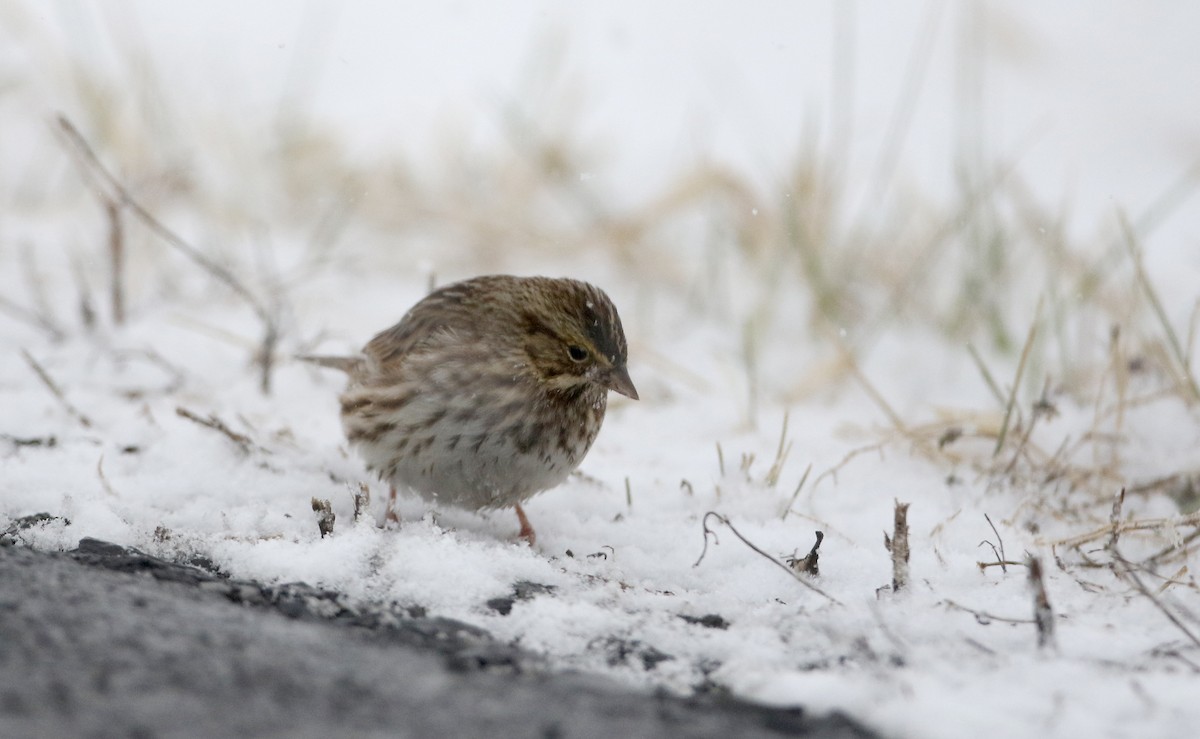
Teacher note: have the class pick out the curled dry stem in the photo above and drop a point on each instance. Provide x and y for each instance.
(791, 573)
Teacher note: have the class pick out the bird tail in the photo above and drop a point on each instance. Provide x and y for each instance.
(349, 365)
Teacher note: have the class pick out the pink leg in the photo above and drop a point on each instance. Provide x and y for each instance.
(527, 533)
(390, 516)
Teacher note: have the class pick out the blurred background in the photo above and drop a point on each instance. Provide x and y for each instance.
(791, 171)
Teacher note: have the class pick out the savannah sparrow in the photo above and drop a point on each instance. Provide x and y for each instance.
(487, 391)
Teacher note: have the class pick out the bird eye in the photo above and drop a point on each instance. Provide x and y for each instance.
(577, 353)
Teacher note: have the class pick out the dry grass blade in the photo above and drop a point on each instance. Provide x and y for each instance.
(1012, 395)
(781, 455)
(1135, 255)
(796, 492)
(117, 193)
(33, 319)
(984, 616)
(1128, 573)
(116, 256)
(55, 390)
(243, 442)
(987, 376)
(1145, 524)
(113, 192)
(852, 364)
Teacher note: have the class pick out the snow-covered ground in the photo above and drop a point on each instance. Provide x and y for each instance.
(340, 158)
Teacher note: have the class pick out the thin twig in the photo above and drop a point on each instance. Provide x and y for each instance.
(1003, 564)
(1141, 587)
(56, 391)
(722, 519)
(1115, 519)
(984, 616)
(1180, 548)
(997, 533)
(1001, 559)
(243, 442)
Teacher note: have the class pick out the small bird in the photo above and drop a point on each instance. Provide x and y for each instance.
(487, 392)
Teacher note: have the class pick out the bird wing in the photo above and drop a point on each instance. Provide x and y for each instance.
(448, 315)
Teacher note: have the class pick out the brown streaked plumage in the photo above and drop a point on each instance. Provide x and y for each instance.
(488, 391)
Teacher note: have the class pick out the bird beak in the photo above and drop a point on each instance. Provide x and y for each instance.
(618, 379)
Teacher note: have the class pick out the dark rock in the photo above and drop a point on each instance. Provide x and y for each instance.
(631, 651)
(522, 590)
(93, 647)
(710, 621)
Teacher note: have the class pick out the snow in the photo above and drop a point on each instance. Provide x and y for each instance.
(653, 91)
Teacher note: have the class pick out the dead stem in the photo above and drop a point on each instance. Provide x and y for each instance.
(809, 563)
(362, 500)
(1043, 614)
(325, 516)
(897, 545)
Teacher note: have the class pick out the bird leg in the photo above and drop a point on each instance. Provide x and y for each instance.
(390, 515)
(527, 532)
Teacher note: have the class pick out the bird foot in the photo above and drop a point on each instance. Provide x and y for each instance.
(391, 519)
(527, 533)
